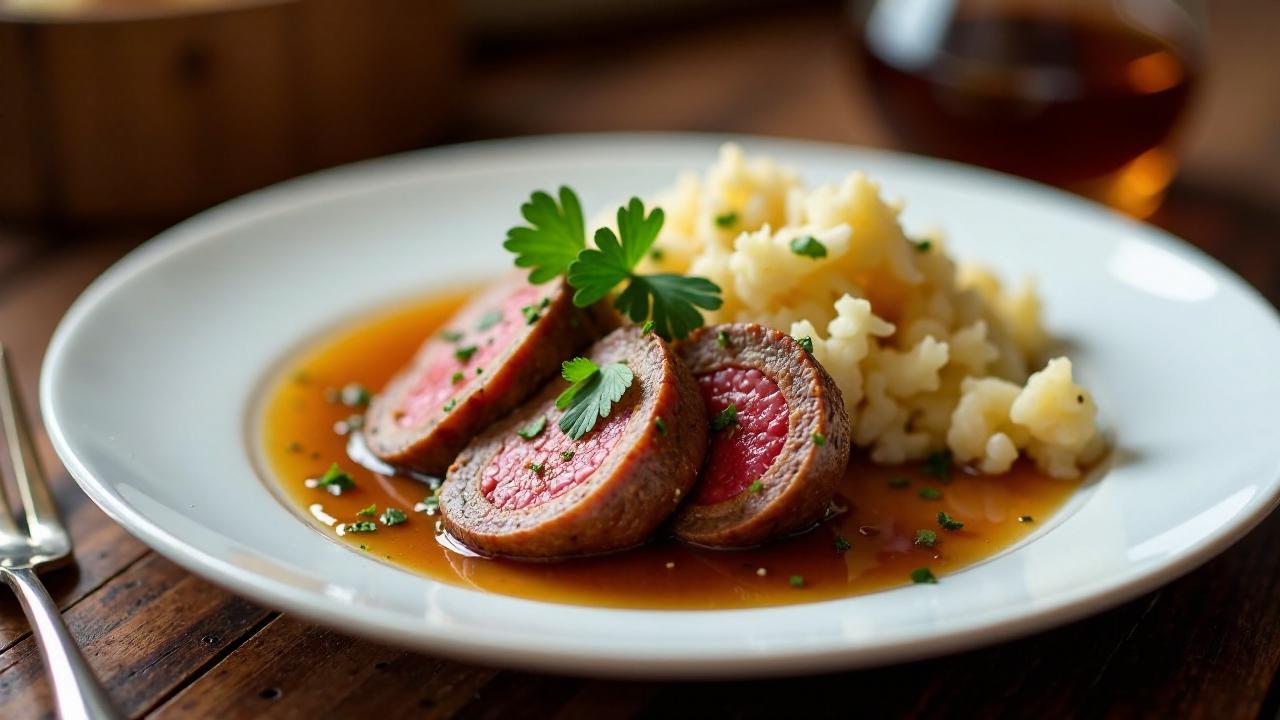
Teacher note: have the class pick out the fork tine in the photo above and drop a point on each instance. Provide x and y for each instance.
(37, 503)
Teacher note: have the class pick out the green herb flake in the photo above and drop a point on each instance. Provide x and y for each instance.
(947, 522)
(369, 511)
(479, 371)
(335, 480)
(488, 320)
(722, 339)
(808, 246)
(536, 467)
(673, 299)
(922, 245)
(842, 545)
(647, 327)
(938, 465)
(363, 526)
(926, 538)
(923, 576)
(533, 312)
(355, 395)
(392, 516)
(898, 482)
(661, 424)
(452, 336)
(656, 254)
(727, 220)
(464, 353)
(449, 405)
(567, 455)
(929, 493)
(726, 417)
(1026, 519)
(552, 239)
(364, 547)
(533, 428)
(756, 487)
(806, 342)
(592, 392)
(457, 378)
(429, 505)
(796, 581)
(818, 439)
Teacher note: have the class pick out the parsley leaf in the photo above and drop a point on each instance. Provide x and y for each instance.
(796, 581)
(929, 493)
(818, 438)
(722, 339)
(488, 320)
(808, 246)
(842, 545)
(922, 245)
(364, 526)
(670, 300)
(898, 482)
(392, 516)
(591, 396)
(335, 480)
(553, 238)
(533, 429)
(369, 511)
(947, 522)
(926, 538)
(756, 487)
(464, 353)
(924, 576)
(806, 342)
(938, 464)
(725, 418)
(727, 220)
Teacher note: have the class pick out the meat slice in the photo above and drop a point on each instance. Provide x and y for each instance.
(550, 496)
(773, 470)
(492, 355)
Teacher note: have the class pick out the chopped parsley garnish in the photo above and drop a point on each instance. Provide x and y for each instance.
(806, 342)
(335, 480)
(1025, 519)
(566, 455)
(808, 246)
(938, 464)
(796, 581)
(392, 516)
(818, 438)
(488, 320)
(430, 504)
(842, 546)
(355, 395)
(923, 576)
(661, 424)
(656, 254)
(923, 245)
(725, 418)
(727, 220)
(364, 526)
(457, 378)
(927, 538)
(929, 493)
(465, 352)
(369, 511)
(552, 239)
(591, 394)
(670, 300)
(947, 522)
(533, 312)
(536, 467)
(756, 487)
(451, 335)
(533, 428)
(898, 482)
(722, 339)
(450, 405)
(647, 327)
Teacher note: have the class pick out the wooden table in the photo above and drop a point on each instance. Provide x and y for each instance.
(169, 644)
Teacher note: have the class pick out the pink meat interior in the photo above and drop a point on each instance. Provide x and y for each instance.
(490, 330)
(526, 473)
(741, 453)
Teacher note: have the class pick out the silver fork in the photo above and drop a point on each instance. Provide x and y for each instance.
(76, 691)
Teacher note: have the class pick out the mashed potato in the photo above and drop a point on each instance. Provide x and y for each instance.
(930, 356)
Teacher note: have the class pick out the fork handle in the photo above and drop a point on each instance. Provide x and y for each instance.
(76, 690)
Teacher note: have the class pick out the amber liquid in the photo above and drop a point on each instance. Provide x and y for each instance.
(879, 522)
(1071, 101)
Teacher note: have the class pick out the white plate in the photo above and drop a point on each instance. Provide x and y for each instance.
(149, 388)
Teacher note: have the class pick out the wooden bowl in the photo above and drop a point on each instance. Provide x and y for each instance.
(147, 110)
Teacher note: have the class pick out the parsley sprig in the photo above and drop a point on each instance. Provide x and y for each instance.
(554, 243)
(591, 394)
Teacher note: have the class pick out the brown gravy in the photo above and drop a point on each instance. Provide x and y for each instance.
(299, 442)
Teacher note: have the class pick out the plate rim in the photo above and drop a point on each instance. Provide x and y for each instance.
(314, 188)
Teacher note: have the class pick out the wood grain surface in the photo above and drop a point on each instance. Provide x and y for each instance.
(168, 644)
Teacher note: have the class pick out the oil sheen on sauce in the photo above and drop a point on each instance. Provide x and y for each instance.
(885, 505)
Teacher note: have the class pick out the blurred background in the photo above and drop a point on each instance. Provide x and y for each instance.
(120, 117)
